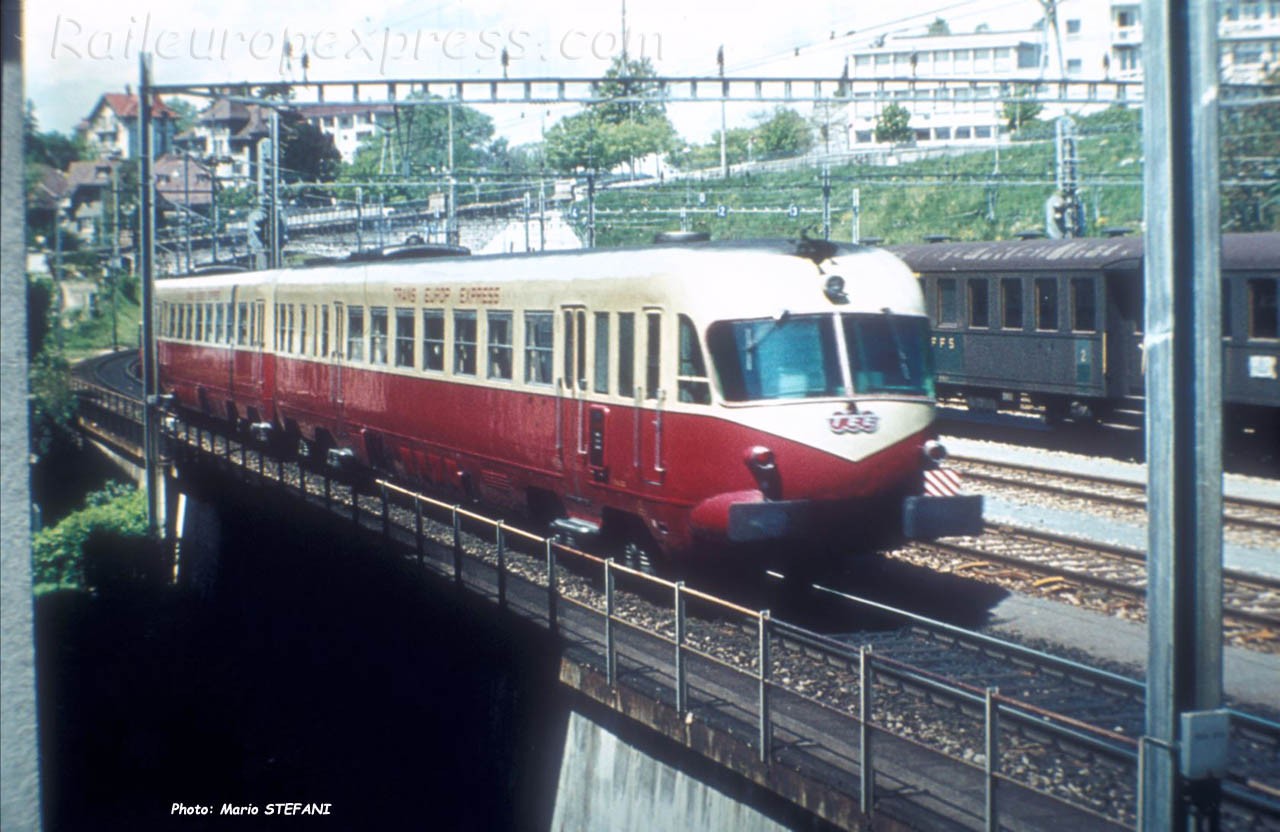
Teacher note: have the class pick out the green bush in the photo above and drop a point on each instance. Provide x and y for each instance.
(57, 553)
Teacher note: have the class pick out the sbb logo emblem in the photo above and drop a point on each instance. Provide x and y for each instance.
(845, 422)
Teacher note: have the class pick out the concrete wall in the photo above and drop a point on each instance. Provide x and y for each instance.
(606, 783)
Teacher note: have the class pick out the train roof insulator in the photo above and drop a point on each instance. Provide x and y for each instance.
(833, 288)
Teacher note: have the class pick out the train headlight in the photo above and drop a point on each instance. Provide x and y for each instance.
(764, 468)
(834, 289)
(934, 452)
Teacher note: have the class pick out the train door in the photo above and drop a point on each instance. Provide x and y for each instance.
(571, 396)
(1123, 338)
(649, 413)
(335, 359)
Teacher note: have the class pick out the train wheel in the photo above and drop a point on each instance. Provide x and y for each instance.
(636, 555)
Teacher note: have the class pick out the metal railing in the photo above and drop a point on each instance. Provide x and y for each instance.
(748, 687)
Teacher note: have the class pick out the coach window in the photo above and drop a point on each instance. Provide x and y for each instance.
(979, 312)
(219, 332)
(324, 331)
(1263, 312)
(653, 354)
(498, 325)
(378, 334)
(290, 345)
(692, 382)
(946, 301)
(200, 307)
(464, 342)
(258, 323)
(433, 339)
(601, 351)
(1011, 300)
(626, 354)
(355, 333)
(405, 336)
(537, 347)
(1046, 303)
(242, 323)
(1084, 306)
(302, 329)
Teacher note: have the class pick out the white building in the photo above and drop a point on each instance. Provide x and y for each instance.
(349, 124)
(1093, 40)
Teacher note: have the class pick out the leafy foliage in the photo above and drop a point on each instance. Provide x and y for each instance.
(53, 405)
(1250, 165)
(1022, 110)
(57, 553)
(614, 131)
(785, 133)
(307, 154)
(894, 124)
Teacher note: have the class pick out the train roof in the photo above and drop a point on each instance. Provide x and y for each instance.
(734, 278)
(1240, 251)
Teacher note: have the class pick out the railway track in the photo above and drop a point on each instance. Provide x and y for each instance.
(1110, 579)
(1245, 521)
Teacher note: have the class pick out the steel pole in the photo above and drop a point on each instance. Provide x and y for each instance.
(147, 252)
(1183, 351)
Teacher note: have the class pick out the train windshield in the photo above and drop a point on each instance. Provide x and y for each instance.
(889, 354)
(790, 357)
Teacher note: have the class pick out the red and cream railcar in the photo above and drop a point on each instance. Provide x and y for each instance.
(672, 397)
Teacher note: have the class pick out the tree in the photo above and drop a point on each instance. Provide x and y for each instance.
(307, 154)
(938, 27)
(783, 134)
(1250, 164)
(614, 131)
(1021, 110)
(894, 125)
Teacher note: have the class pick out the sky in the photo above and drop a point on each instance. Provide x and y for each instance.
(76, 50)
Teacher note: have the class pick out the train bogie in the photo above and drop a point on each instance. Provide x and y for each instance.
(676, 398)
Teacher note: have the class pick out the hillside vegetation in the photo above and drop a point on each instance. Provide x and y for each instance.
(980, 195)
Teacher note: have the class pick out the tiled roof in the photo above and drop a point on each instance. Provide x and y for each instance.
(125, 105)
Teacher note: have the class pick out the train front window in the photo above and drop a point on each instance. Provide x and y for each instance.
(889, 354)
(790, 357)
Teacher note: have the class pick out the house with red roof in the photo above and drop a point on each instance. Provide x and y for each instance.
(112, 126)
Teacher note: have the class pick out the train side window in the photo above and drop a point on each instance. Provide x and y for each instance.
(242, 323)
(433, 339)
(1084, 306)
(405, 336)
(355, 333)
(602, 353)
(290, 345)
(464, 342)
(378, 334)
(259, 323)
(537, 347)
(946, 301)
(626, 354)
(302, 329)
(653, 355)
(1011, 300)
(323, 352)
(1046, 303)
(1264, 316)
(499, 326)
(692, 382)
(979, 303)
